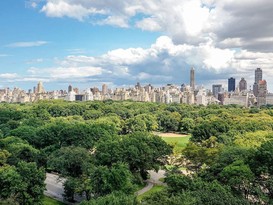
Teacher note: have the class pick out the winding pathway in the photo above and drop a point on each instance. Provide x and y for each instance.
(54, 185)
(154, 180)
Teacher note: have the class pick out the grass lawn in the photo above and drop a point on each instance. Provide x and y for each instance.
(156, 188)
(179, 143)
(50, 201)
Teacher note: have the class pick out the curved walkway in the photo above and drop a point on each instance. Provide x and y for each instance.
(154, 180)
(54, 185)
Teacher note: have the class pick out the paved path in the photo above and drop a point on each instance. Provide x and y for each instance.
(54, 184)
(154, 180)
(55, 189)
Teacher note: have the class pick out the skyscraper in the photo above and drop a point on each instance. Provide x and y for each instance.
(262, 91)
(40, 88)
(242, 84)
(104, 89)
(216, 89)
(231, 84)
(258, 77)
(192, 83)
(70, 88)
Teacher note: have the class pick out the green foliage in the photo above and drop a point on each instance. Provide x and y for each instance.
(9, 179)
(238, 176)
(203, 154)
(23, 184)
(19, 150)
(70, 187)
(253, 139)
(27, 133)
(262, 161)
(162, 198)
(186, 125)
(143, 152)
(116, 198)
(154, 189)
(168, 121)
(30, 191)
(178, 143)
(70, 161)
(109, 151)
(50, 201)
(106, 180)
(92, 114)
(229, 154)
(209, 128)
(4, 155)
(193, 192)
(179, 183)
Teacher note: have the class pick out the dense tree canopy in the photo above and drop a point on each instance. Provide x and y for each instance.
(104, 149)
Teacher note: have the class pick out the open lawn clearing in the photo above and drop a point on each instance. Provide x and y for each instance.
(179, 143)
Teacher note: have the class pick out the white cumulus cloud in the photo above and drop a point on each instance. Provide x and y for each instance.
(163, 62)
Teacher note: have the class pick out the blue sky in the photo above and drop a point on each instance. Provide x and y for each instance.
(87, 43)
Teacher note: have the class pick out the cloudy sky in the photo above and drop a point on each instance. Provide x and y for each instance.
(120, 42)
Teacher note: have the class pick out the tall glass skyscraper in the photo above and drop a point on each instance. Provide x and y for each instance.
(231, 84)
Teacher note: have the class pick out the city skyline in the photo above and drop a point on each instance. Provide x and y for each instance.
(85, 43)
(190, 82)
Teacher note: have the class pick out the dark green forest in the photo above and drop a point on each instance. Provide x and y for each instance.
(105, 150)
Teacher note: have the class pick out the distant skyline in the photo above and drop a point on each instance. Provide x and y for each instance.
(87, 43)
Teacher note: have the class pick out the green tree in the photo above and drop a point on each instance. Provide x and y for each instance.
(209, 128)
(168, 121)
(262, 161)
(70, 188)
(27, 133)
(186, 125)
(143, 151)
(92, 114)
(201, 154)
(70, 161)
(106, 180)
(115, 198)
(135, 124)
(9, 180)
(30, 189)
(4, 155)
(238, 176)
(19, 150)
(109, 151)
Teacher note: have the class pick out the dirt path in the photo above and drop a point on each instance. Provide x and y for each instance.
(169, 134)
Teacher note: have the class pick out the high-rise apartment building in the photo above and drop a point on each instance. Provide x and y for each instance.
(242, 84)
(192, 83)
(70, 88)
(258, 78)
(216, 89)
(231, 84)
(255, 89)
(40, 88)
(104, 89)
(262, 91)
(258, 75)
